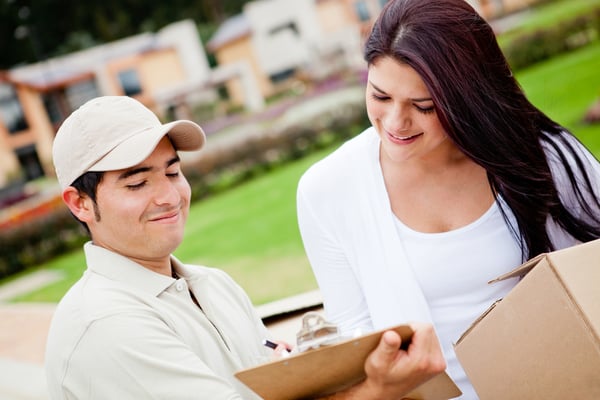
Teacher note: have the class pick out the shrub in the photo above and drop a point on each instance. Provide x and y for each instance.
(542, 44)
(40, 238)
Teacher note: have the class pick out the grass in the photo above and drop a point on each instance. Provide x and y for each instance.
(251, 231)
(565, 87)
(547, 15)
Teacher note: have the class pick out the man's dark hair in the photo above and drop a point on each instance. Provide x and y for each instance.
(87, 184)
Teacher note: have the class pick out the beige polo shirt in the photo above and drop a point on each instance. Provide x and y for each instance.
(125, 332)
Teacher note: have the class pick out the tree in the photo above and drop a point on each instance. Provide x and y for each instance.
(34, 30)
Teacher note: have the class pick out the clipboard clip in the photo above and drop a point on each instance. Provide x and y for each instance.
(316, 332)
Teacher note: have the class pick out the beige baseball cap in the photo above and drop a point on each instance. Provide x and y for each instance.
(115, 132)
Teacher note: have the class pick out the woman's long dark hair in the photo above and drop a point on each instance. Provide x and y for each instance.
(485, 112)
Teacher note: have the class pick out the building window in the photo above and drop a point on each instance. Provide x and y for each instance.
(11, 111)
(61, 102)
(362, 11)
(288, 26)
(56, 107)
(30, 162)
(130, 82)
(80, 92)
(282, 76)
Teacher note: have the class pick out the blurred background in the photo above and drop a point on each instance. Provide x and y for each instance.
(276, 84)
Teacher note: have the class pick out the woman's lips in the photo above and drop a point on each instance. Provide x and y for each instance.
(404, 138)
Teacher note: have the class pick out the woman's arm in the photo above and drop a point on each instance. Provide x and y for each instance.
(344, 301)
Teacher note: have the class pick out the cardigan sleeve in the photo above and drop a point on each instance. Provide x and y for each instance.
(558, 158)
(319, 225)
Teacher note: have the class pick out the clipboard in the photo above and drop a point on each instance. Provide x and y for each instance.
(332, 368)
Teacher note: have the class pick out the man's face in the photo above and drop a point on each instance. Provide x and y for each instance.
(141, 211)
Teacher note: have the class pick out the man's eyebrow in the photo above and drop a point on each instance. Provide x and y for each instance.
(134, 171)
(416, 99)
(140, 170)
(173, 161)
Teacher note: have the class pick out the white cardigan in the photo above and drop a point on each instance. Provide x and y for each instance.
(352, 241)
(346, 220)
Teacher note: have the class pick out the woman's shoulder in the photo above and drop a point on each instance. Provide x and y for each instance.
(347, 161)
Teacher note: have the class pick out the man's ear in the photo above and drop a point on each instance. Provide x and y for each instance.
(80, 205)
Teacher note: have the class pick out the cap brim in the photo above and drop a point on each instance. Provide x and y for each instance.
(185, 136)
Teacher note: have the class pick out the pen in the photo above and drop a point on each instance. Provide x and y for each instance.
(272, 345)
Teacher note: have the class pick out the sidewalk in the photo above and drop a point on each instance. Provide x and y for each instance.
(22, 345)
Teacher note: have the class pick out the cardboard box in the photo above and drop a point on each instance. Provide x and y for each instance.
(542, 341)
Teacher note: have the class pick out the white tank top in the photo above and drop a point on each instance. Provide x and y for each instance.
(453, 269)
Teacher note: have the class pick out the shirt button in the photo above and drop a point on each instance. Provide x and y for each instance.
(179, 286)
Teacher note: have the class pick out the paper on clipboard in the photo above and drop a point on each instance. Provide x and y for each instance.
(330, 369)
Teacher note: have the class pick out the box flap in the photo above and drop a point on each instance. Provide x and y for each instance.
(521, 270)
(474, 324)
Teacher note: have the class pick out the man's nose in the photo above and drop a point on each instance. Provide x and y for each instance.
(167, 193)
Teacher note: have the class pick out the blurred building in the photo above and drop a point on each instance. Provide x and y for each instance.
(491, 9)
(35, 99)
(282, 42)
(267, 49)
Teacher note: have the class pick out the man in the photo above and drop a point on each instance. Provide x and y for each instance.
(139, 323)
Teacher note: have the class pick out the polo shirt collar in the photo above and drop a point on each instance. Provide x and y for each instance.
(121, 269)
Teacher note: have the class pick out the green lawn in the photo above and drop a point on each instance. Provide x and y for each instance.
(251, 231)
(547, 15)
(565, 88)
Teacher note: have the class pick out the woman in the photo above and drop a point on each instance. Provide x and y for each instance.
(459, 180)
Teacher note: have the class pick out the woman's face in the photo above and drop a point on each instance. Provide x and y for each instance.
(400, 108)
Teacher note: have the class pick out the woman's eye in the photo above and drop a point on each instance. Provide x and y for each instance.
(425, 110)
(173, 174)
(379, 97)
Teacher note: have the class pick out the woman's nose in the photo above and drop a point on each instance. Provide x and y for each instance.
(398, 121)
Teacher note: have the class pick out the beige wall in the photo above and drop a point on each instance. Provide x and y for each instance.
(8, 161)
(156, 69)
(334, 15)
(491, 9)
(159, 69)
(41, 129)
(238, 50)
